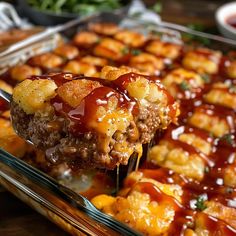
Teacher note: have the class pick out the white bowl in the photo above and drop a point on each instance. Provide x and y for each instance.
(222, 14)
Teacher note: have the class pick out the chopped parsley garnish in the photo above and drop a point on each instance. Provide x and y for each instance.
(184, 86)
(158, 34)
(228, 138)
(211, 135)
(125, 50)
(200, 204)
(157, 7)
(194, 38)
(98, 40)
(206, 170)
(206, 78)
(135, 52)
(229, 190)
(232, 89)
(190, 224)
(171, 66)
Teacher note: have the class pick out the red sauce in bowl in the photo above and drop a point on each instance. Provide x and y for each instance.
(231, 20)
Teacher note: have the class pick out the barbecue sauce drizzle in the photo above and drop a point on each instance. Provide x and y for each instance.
(220, 155)
(80, 116)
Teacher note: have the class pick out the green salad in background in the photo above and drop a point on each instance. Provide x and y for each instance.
(82, 7)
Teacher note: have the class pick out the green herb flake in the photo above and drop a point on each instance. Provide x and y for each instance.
(211, 135)
(228, 138)
(196, 26)
(232, 88)
(98, 40)
(170, 66)
(229, 190)
(135, 52)
(157, 7)
(189, 224)
(184, 86)
(200, 204)
(125, 51)
(206, 78)
(194, 38)
(206, 169)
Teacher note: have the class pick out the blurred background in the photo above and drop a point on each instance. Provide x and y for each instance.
(184, 12)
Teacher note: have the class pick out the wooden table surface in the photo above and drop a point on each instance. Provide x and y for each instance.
(16, 218)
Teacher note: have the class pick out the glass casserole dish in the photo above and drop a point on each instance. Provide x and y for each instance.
(166, 34)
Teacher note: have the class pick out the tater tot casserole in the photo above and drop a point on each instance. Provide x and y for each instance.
(172, 105)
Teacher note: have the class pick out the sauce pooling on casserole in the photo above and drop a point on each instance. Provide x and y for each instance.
(192, 100)
(184, 214)
(222, 156)
(82, 115)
